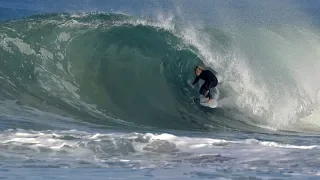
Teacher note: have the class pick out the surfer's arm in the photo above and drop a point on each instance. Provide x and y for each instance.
(196, 80)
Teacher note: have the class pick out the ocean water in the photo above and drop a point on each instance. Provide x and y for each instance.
(96, 89)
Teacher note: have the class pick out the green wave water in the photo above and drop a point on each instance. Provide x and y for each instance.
(117, 70)
(107, 69)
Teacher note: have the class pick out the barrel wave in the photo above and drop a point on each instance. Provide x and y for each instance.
(116, 70)
(106, 69)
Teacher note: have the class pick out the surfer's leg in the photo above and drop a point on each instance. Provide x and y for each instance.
(209, 94)
(208, 86)
(215, 91)
(203, 90)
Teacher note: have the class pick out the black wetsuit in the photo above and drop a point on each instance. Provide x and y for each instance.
(211, 81)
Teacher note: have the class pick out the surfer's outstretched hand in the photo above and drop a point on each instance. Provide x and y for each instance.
(190, 83)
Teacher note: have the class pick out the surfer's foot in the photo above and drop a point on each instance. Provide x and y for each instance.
(209, 101)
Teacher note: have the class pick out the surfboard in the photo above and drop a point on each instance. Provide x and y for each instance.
(214, 93)
(203, 102)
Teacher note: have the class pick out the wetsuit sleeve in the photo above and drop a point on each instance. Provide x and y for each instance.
(196, 80)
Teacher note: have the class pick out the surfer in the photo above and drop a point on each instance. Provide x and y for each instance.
(210, 79)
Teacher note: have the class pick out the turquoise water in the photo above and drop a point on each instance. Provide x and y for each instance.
(88, 94)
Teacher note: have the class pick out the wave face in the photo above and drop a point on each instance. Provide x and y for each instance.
(117, 70)
(101, 68)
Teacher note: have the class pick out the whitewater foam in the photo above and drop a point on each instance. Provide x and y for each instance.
(59, 140)
(24, 48)
(147, 150)
(63, 36)
(47, 55)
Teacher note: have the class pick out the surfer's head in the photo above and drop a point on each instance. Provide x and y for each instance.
(198, 70)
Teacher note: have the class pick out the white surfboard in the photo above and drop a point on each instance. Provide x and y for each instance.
(213, 103)
(214, 93)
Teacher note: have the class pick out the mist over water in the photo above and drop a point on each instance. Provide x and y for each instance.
(269, 45)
